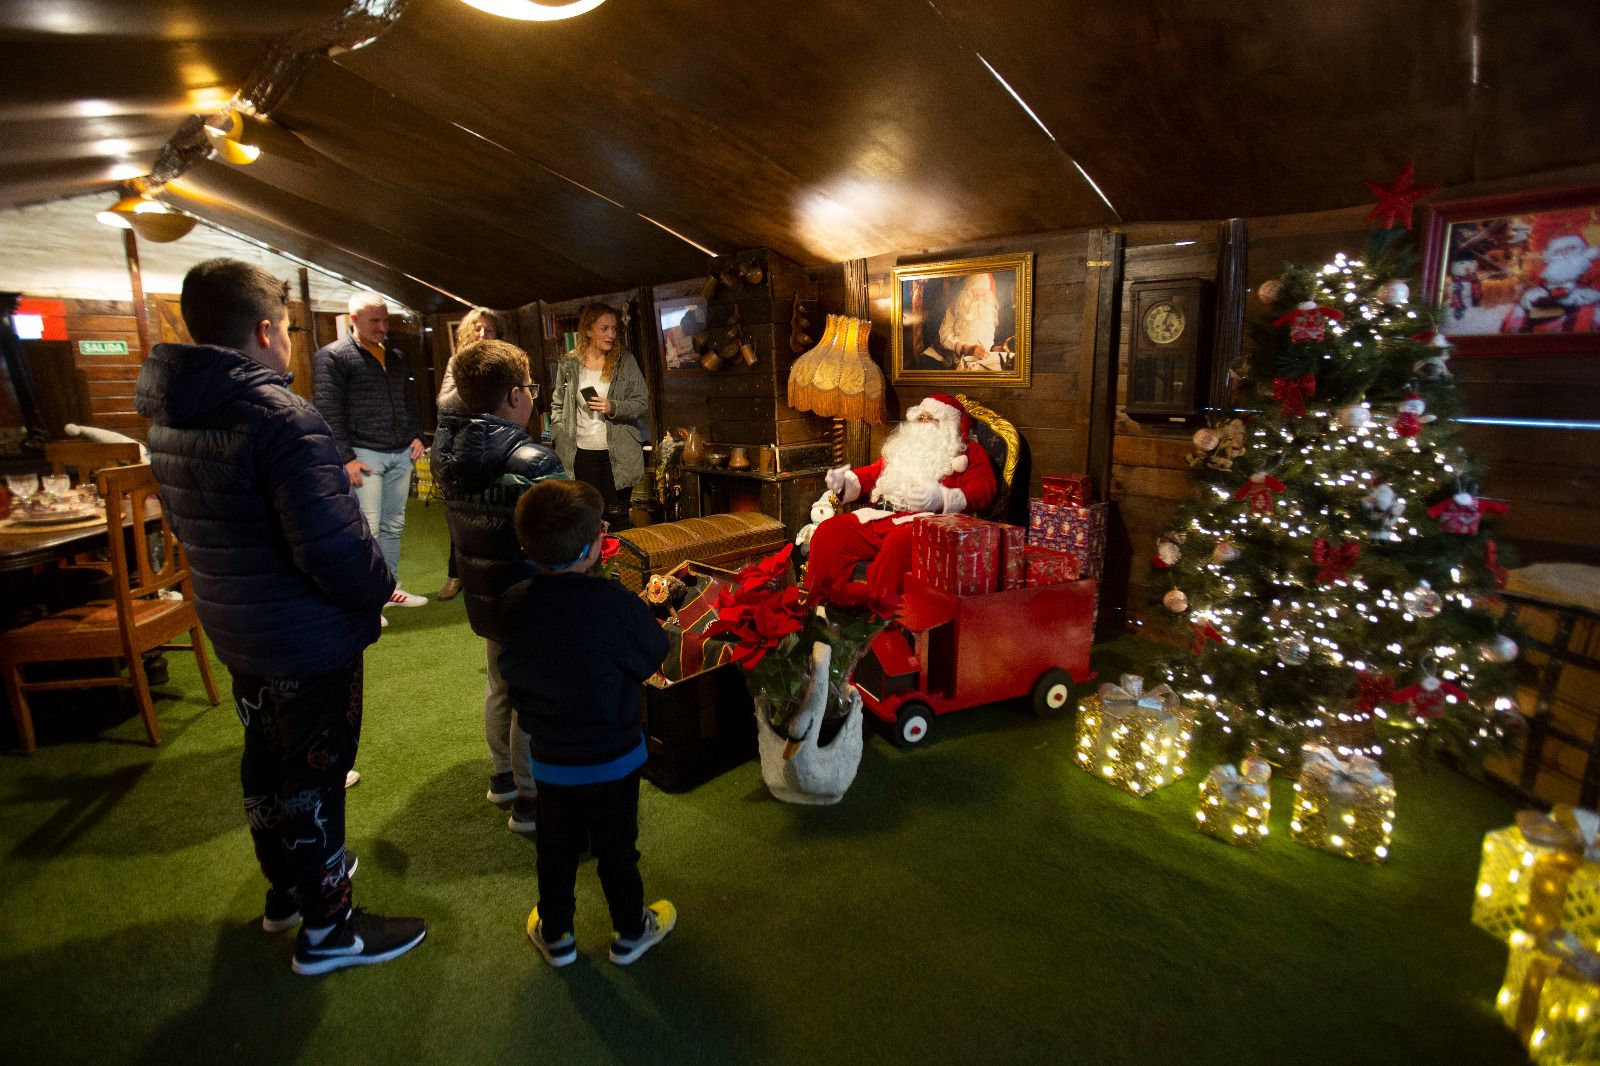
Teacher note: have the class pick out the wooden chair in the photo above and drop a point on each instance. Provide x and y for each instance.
(88, 456)
(138, 620)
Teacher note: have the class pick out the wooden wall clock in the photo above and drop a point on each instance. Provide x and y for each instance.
(1169, 349)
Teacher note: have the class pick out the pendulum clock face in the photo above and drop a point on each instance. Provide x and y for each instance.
(1168, 349)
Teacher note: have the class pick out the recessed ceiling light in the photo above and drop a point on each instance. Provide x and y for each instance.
(528, 11)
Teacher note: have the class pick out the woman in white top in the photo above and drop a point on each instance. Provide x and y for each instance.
(597, 436)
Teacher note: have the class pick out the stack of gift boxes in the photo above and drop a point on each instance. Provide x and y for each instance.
(1539, 891)
(1064, 541)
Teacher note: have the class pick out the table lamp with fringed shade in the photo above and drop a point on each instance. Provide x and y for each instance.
(837, 379)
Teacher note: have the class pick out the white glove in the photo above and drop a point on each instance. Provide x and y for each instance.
(836, 480)
(931, 500)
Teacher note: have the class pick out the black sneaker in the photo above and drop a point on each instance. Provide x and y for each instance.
(502, 788)
(562, 951)
(281, 913)
(660, 918)
(362, 939)
(523, 816)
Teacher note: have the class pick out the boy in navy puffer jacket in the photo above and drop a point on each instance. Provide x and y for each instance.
(483, 461)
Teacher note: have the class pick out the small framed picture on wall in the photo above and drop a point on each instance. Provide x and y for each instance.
(682, 322)
(963, 322)
(1517, 274)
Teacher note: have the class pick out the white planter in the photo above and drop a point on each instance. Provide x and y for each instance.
(814, 774)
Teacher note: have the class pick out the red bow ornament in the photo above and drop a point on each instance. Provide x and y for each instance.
(1491, 559)
(1335, 562)
(1203, 631)
(1308, 323)
(1373, 689)
(1429, 697)
(1292, 393)
(1258, 490)
(1462, 513)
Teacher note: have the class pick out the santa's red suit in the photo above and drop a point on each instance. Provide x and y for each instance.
(901, 486)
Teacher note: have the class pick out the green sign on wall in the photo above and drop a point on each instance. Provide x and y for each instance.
(102, 347)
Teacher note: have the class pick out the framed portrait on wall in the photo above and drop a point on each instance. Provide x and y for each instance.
(682, 323)
(1517, 274)
(963, 323)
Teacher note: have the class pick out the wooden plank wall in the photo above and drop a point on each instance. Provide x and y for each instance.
(110, 378)
(1149, 474)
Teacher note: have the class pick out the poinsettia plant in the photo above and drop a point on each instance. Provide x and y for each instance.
(607, 566)
(773, 623)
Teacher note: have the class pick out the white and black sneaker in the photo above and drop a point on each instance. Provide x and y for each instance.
(362, 939)
(660, 918)
(562, 951)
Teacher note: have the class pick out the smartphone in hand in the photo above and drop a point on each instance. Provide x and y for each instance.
(588, 392)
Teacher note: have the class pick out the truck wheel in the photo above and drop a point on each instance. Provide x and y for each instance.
(1052, 694)
(910, 724)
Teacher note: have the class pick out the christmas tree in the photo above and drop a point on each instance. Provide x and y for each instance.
(1334, 574)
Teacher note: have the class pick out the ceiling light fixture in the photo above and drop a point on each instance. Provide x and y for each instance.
(528, 11)
(148, 218)
(226, 140)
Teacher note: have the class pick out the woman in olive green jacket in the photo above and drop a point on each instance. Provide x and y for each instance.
(598, 439)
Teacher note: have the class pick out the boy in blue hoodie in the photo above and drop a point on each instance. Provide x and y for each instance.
(483, 461)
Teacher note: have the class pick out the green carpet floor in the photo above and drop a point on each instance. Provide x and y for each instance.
(978, 900)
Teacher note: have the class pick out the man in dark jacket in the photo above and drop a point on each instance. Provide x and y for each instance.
(288, 582)
(365, 391)
(483, 461)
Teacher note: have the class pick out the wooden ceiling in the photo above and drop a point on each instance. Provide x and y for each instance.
(459, 154)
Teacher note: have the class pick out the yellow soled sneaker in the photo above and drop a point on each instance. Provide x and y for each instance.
(660, 918)
(562, 951)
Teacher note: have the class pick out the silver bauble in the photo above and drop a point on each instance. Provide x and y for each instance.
(1423, 602)
(1224, 552)
(1354, 416)
(1499, 649)
(1292, 651)
(1175, 601)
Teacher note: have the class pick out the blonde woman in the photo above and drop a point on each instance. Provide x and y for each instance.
(478, 324)
(599, 398)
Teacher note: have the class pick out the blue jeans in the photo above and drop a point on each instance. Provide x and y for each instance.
(382, 497)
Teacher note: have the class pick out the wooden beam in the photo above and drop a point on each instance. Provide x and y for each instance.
(141, 314)
(1228, 338)
(1102, 306)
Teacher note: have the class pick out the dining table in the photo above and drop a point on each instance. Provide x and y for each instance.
(32, 580)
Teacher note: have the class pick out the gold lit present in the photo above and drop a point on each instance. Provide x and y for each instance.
(1235, 802)
(1550, 998)
(1343, 807)
(1134, 739)
(1539, 874)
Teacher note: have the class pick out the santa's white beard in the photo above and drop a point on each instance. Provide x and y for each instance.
(1562, 271)
(916, 457)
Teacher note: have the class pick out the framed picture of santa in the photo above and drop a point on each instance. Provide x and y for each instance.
(963, 322)
(1517, 274)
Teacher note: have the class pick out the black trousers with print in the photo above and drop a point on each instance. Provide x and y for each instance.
(604, 816)
(300, 737)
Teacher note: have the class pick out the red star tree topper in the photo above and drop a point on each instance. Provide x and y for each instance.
(1396, 199)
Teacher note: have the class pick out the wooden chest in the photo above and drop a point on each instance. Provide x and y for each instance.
(730, 541)
(697, 728)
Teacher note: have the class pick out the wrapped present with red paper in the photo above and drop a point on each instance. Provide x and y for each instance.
(957, 553)
(1013, 563)
(1080, 531)
(1046, 566)
(1067, 490)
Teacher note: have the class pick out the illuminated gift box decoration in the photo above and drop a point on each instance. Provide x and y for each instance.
(1343, 807)
(1551, 999)
(1235, 802)
(1134, 739)
(1539, 874)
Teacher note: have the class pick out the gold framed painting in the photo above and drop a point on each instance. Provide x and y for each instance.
(963, 323)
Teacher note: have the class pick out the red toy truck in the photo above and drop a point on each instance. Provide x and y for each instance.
(947, 653)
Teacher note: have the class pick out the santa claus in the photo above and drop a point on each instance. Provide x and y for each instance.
(1566, 295)
(930, 465)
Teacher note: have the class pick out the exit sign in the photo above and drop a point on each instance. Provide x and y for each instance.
(102, 347)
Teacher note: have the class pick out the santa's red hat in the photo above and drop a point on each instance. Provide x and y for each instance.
(945, 408)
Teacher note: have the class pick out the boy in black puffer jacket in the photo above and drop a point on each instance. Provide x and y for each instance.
(577, 650)
(483, 461)
(289, 584)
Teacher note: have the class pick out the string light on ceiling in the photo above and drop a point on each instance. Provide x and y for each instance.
(529, 11)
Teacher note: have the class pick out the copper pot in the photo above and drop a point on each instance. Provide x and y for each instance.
(740, 459)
